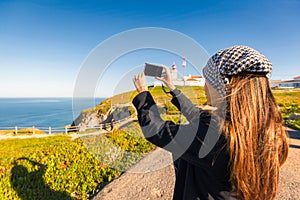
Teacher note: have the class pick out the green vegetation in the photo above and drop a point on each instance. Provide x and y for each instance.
(50, 168)
(119, 149)
(130, 139)
(293, 123)
(58, 168)
(287, 99)
(289, 103)
(195, 93)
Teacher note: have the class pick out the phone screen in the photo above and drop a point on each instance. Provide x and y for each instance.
(153, 70)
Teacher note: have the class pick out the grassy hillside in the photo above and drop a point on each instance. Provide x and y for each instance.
(59, 168)
(287, 99)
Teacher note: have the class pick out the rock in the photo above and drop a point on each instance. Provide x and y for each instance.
(107, 190)
(86, 119)
(295, 116)
(157, 193)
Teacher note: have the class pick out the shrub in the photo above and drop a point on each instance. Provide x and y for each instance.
(120, 149)
(58, 168)
(50, 168)
(294, 123)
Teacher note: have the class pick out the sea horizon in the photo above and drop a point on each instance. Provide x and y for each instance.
(53, 97)
(42, 112)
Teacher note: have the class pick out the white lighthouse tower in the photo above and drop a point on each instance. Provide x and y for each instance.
(174, 72)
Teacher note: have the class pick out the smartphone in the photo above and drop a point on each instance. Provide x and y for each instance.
(153, 70)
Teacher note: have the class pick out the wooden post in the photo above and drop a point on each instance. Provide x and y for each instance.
(66, 129)
(50, 130)
(16, 130)
(33, 130)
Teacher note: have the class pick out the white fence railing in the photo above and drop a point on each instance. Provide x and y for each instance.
(65, 129)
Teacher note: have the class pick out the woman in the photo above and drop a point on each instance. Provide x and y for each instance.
(244, 161)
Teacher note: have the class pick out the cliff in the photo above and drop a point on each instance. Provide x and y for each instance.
(109, 109)
(119, 106)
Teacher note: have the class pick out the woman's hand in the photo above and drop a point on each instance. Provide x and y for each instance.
(140, 83)
(167, 79)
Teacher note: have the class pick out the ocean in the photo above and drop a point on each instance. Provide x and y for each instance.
(41, 112)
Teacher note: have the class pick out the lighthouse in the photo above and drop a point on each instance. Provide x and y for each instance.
(174, 72)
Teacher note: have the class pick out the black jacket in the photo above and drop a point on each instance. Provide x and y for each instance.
(197, 176)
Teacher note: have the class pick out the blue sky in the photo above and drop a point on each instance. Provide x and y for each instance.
(44, 43)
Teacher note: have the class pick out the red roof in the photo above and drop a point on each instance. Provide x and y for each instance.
(196, 77)
(297, 77)
(191, 79)
(287, 81)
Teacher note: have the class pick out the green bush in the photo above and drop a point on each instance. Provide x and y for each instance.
(294, 123)
(58, 168)
(130, 139)
(120, 149)
(177, 119)
(289, 103)
(50, 168)
(170, 109)
(288, 108)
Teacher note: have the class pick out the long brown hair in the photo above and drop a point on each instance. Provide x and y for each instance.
(258, 142)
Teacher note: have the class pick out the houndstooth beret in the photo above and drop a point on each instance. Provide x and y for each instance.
(232, 61)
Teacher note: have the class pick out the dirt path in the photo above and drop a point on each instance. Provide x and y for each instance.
(4, 137)
(73, 136)
(153, 177)
(290, 172)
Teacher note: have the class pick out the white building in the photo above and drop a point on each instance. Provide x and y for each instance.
(187, 80)
(190, 80)
(292, 83)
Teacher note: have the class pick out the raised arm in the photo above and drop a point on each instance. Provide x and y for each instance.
(183, 141)
(184, 105)
(156, 130)
(161, 132)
